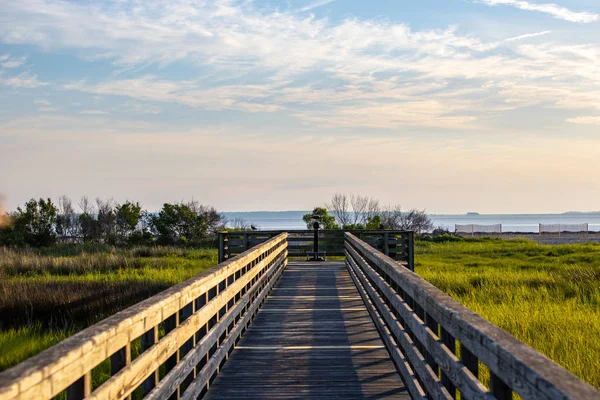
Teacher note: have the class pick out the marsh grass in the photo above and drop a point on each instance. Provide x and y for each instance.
(47, 295)
(546, 296)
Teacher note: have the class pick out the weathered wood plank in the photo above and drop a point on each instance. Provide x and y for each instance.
(316, 341)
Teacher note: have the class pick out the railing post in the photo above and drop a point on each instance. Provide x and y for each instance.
(386, 244)
(223, 239)
(149, 338)
(245, 241)
(500, 390)
(81, 388)
(410, 250)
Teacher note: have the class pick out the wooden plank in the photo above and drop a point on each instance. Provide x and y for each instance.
(321, 345)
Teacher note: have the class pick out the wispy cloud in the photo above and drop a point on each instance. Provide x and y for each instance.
(23, 80)
(527, 36)
(316, 4)
(555, 10)
(93, 112)
(585, 120)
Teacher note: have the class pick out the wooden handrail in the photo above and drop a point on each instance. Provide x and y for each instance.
(203, 318)
(421, 326)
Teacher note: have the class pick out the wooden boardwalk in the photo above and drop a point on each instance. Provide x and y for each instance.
(313, 338)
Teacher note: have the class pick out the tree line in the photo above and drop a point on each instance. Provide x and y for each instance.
(356, 212)
(43, 223)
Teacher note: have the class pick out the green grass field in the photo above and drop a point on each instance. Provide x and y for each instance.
(47, 295)
(546, 296)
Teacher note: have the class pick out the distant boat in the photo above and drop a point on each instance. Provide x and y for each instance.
(472, 213)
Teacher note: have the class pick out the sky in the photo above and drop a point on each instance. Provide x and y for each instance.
(446, 105)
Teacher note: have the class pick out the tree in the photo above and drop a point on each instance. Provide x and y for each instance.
(327, 221)
(127, 217)
(413, 220)
(35, 224)
(178, 223)
(374, 223)
(240, 224)
(353, 211)
(66, 221)
(216, 221)
(106, 220)
(416, 220)
(340, 208)
(88, 225)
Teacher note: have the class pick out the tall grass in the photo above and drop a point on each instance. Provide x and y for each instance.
(49, 294)
(546, 296)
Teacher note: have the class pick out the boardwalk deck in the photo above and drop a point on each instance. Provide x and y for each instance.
(313, 338)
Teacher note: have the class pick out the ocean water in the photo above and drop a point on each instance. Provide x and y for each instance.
(282, 220)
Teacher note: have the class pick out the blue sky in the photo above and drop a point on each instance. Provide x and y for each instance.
(453, 106)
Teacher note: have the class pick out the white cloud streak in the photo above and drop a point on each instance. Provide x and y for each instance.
(554, 10)
(585, 120)
(314, 5)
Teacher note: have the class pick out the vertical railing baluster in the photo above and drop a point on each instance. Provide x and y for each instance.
(170, 324)
(434, 326)
(410, 250)
(187, 312)
(469, 360)
(81, 388)
(149, 338)
(500, 390)
(450, 343)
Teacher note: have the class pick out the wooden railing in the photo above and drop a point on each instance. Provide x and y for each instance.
(186, 333)
(399, 245)
(437, 344)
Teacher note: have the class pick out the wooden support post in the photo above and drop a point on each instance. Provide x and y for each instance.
(120, 359)
(500, 390)
(246, 247)
(434, 326)
(81, 388)
(410, 250)
(222, 238)
(386, 244)
(450, 343)
(149, 338)
(469, 360)
(171, 323)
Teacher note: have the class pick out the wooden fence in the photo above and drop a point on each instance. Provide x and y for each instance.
(398, 245)
(186, 333)
(437, 344)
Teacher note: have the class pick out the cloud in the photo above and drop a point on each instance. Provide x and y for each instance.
(93, 112)
(325, 73)
(585, 120)
(527, 36)
(47, 109)
(23, 80)
(316, 4)
(548, 8)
